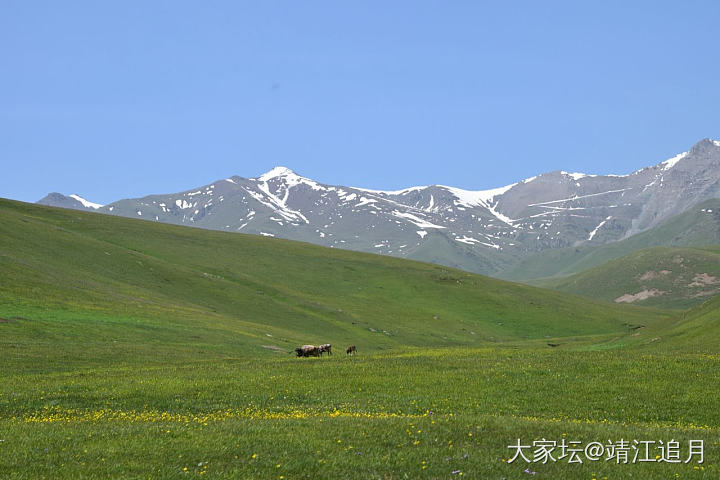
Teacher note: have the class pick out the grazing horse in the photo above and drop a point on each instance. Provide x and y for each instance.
(325, 347)
(307, 351)
(351, 350)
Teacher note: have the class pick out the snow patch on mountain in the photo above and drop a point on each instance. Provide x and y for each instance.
(404, 191)
(670, 163)
(417, 221)
(274, 173)
(592, 234)
(290, 178)
(477, 198)
(468, 240)
(349, 198)
(576, 176)
(85, 203)
(182, 204)
(365, 201)
(432, 204)
(274, 203)
(482, 198)
(471, 241)
(577, 197)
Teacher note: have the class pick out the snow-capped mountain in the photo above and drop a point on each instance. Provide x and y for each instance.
(74, 201)
(475, 230)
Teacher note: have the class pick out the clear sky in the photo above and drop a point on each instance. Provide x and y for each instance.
(118, 99)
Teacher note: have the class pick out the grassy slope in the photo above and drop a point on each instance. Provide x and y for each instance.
(129, 287)
(697, 329)
(677, 272)
(691, 228)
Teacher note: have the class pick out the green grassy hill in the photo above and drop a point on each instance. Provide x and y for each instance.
(696, 330)
(698, 226)
(124, 288)
(661, 276)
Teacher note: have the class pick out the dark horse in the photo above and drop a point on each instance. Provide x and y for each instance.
(351, 350)
(307, 351)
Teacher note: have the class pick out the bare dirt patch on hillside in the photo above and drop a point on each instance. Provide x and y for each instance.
(702, 280)
(643, 295)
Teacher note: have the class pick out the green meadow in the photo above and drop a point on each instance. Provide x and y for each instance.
(132, 349)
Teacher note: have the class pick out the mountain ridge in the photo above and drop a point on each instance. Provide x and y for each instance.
(478, 230)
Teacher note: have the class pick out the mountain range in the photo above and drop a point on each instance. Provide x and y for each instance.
(485, 231)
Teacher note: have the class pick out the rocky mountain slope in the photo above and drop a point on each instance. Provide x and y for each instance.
(481, 231)
(698, 226)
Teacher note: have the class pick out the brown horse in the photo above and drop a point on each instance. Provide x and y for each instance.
(351, 350)
(307, 351)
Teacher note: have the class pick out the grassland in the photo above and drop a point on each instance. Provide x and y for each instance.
(420, 414)
(137, 350)
(697, 329)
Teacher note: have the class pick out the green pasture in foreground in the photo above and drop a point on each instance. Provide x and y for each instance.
(416, 414)
(136, 350)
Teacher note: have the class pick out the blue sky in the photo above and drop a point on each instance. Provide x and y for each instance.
(125, 98)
